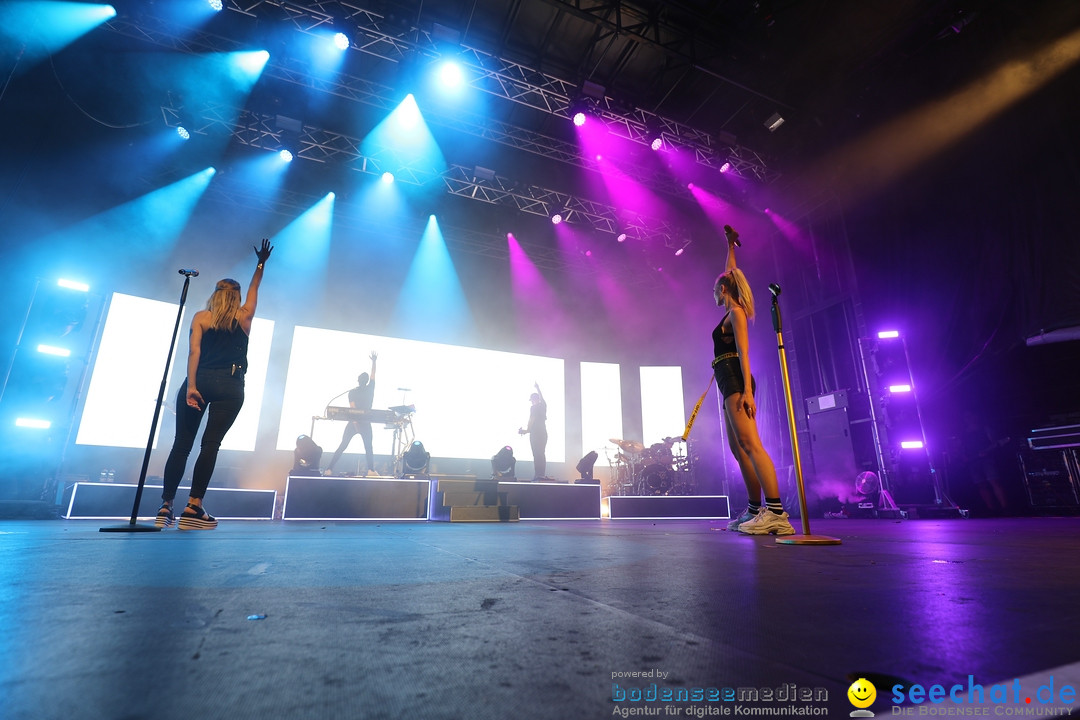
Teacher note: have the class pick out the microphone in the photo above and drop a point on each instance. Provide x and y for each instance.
(732, 236)
(774, 289)
(189, 273)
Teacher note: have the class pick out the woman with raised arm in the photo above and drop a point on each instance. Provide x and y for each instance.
(217, 361)
(731, 367)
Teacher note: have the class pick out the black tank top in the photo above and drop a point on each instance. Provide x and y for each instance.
(723, 342)
(221, 349)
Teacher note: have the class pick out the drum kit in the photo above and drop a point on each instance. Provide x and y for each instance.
(660, 469)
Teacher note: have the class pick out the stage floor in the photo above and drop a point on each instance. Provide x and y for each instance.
(547, 619)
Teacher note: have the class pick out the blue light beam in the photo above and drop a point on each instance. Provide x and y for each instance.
(432, 304)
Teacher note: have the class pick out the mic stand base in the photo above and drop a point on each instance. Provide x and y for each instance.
(807, 540)
(130, 527)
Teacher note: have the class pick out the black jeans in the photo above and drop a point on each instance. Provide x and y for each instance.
(353, 428)
(224, 396)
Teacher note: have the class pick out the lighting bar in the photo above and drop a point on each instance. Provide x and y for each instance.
(886, 334)
(911, 444)
(53, 350)
(899, 388)
(33, 423)
(73, 285)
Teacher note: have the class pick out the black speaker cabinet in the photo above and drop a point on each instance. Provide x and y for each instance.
(830, 441)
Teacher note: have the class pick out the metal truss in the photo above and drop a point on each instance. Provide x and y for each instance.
(512, 81)
(535, 200)
(320, 145)
(366, 91)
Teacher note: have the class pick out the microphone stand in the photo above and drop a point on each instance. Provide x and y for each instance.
(806, 538)
(132, 526)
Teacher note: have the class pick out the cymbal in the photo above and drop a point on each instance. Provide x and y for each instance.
(629, 445)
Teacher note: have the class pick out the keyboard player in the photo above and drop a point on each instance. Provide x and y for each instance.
(361, 397)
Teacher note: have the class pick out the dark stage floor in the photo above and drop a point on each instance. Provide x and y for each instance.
(534, 619)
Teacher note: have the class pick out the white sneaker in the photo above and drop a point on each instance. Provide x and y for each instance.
(744, 518)
(768, 523)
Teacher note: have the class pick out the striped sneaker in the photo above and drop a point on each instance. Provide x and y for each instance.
(195, 518)
(164, 517)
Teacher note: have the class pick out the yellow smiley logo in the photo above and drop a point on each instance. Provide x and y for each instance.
(862, 693)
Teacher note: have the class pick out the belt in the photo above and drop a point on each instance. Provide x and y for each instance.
(721, 358)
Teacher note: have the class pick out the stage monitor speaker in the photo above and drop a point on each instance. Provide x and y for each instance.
(831, 448)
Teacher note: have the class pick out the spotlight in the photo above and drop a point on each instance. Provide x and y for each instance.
(306, 456)
(886, 334)
(585, 468)
(911, 444)
(503, 463)
(725, 167)
(183, 132)
(387, 177)
(451, 75)
(416, 459)
(774, 121)
(286, 155)
(621, 237)
(341, 41)
(556, 218)
(579, 118)
(899, 388)
(659, 143)
(215, 5)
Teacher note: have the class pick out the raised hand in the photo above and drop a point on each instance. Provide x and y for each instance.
(264, 253)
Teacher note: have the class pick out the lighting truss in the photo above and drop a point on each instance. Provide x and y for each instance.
(261, 131)
(536, 200)
(368, 92)
(509, 80)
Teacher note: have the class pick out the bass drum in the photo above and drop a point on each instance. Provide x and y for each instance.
(656, 480)
(659, 454)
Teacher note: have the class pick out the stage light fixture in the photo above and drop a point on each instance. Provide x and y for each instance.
(899, 388)
(53, 350)
(416, 459)
(451, 76)
(215, 5)
(775, 120)
(585, 467)
(887, 334)
(387, 178)
(183, 132)
(306, 456)
(658, 143)
(342, 41)
(73, 285)
(726, 167)
(579, 118)
(557, 218)
(286, 155)
(621, 237)
(483, 173)
(503, 463)
(33, 423)
(911, 444)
